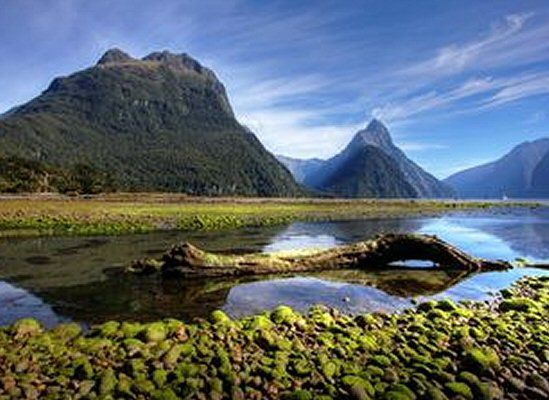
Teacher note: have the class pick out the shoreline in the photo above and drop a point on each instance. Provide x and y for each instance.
(128, 213)
(438, 350)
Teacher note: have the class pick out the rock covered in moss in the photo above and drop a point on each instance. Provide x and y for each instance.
(474, 351)
(27, 327)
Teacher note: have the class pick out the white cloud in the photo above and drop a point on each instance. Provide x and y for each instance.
(455, 58)
(399, 110)
(288, 132)
(530, 86)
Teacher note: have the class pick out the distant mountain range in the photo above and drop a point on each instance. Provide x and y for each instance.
(369, 166)
(521, 173)
(162, 122)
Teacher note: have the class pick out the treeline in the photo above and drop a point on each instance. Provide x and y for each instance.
(19, 175)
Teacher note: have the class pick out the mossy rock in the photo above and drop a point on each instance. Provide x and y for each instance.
(67, 331)
(107, 382)
(83, 369)
(433, 393)
(517, 304)
(143, 386)
(482, 359)
(459, 389)
(219, 317)
(155, 332)
(27, 327)
(165, 394)
(351, 381)
(284, 314)
(259, 322)
(375, 371)
(173, 354)
(446, 305)
(427, 306)
(160, 377)
(298, 395)
(323, 319)
(404, 390)
(110, 329)
(131, 329)
(381, 360)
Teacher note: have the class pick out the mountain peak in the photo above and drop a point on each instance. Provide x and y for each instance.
(375, 134)
(182, 60)
(114, 55)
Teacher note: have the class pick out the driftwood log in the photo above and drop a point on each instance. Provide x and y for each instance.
(188, 261)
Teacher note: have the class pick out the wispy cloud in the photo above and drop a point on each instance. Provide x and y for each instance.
(532, 85)
(455, 58)
(432, 100)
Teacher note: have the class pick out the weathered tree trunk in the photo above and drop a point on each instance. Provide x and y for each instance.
(188, 261)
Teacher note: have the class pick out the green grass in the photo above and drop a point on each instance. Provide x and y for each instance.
(117, 214)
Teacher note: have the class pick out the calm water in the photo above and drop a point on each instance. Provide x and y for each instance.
(63, 278)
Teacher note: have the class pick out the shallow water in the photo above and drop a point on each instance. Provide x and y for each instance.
(64, 278)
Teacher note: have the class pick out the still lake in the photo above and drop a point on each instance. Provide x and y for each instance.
(79, 278)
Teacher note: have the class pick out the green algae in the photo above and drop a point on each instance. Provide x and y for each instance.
(477, 351)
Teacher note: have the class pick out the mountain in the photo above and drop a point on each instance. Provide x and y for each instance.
(367, 172)
(512, 175)
(301, 168)
(163, 122)
(400, 176)
(540, 179)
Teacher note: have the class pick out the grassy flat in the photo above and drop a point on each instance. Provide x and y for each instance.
(137, 212)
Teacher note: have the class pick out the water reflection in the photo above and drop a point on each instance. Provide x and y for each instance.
(80, 279)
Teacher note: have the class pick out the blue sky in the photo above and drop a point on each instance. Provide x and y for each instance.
(457, 82)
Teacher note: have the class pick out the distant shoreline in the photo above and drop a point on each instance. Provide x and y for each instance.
(127, 213)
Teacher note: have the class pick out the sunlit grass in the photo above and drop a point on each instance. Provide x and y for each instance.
(138, 213)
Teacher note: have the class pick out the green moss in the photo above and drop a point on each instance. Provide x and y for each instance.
(107, 382)
(482, 359)
(403, 390)
(259, 322)
(517, 304)
(109, 329)
(284, 314)
(67, 331)
(298, 395)
(83, 369)
(131, 329)
(155, 332)
(433, 393)
(381, 360)
(405, 355)
(27, 327)
(459, 389)
(219, 317)
(159, 377)
(351, 381)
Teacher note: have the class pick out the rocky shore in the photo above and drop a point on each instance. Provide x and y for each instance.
(440, 350)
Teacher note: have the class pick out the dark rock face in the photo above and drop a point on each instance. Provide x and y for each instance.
(160, 123)
(540, 178)
(368, 172)
(512, 175)
(383, 165)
